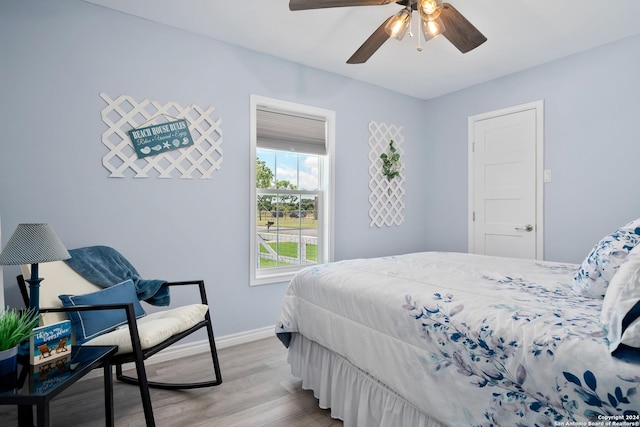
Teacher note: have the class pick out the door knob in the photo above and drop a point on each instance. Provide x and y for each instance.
(527, 227)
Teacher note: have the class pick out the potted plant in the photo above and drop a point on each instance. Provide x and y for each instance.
(15, 327)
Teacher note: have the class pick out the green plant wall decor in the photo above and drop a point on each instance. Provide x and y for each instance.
(390, 162)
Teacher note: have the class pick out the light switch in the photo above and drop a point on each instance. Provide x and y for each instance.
(546, 176)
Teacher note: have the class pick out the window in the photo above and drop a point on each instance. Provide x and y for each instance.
(291, 188)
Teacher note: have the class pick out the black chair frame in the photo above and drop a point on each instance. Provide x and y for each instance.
(138, 355)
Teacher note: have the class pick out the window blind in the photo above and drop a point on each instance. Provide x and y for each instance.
(282, 131)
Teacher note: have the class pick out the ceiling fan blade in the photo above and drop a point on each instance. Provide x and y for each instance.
(370, 45)
(321, 4)
(460, 32)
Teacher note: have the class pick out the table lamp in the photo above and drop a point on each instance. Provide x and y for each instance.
(33, 244)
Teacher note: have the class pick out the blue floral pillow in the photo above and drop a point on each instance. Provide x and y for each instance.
(595, 272)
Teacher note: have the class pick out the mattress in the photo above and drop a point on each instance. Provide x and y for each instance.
(468, 340)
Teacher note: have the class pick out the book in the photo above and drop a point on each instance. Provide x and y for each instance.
(50, 342)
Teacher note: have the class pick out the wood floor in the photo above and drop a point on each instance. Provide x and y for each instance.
(257, 390)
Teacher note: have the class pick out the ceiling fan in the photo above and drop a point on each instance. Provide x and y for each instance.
(436, 18)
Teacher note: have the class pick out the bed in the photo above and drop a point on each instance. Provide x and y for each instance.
(456, 339)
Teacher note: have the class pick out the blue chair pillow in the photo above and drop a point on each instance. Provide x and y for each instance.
(89, 324)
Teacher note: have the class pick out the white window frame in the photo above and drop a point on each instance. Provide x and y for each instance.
(327, 185)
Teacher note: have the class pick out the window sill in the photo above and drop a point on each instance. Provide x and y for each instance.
(268, 279)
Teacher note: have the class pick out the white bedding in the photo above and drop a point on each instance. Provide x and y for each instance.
(469, 340)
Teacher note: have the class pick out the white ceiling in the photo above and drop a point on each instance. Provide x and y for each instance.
(520, 33)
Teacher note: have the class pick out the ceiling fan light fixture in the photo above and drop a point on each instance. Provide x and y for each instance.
(432, 28)
(398, 25)
(429, 9)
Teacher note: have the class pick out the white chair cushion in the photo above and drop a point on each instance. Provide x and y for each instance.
(154, 328)
(58, 278)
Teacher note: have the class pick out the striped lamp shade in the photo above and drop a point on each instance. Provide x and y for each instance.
(33, 244)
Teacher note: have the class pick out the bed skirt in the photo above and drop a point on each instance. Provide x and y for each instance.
(354, 397)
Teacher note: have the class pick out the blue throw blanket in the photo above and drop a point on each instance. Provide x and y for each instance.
(104, 266)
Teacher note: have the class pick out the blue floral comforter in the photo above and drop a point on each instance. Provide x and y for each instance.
(469, 340)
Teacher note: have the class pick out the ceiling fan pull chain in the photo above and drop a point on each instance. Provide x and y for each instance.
(419, 47)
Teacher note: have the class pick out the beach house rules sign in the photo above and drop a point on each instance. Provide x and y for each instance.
(156, 139)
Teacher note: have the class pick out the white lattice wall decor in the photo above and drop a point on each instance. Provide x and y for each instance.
(199, 160)
(386, 197)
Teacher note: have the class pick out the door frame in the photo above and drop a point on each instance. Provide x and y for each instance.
(538, 106)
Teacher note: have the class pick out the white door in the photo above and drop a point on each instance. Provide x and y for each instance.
(505, 195)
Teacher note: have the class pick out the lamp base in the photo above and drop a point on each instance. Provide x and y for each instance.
(23, 349)
(34, 289)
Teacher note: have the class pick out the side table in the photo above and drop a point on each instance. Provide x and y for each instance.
(37, 386)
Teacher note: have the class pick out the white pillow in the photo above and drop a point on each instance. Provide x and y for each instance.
(595, 272)
(154, 328)
(623, 295)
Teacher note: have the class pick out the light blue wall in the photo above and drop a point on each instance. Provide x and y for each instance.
(56, 59)
(591, 143)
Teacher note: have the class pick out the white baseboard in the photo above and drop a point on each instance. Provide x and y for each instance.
(183, 350)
